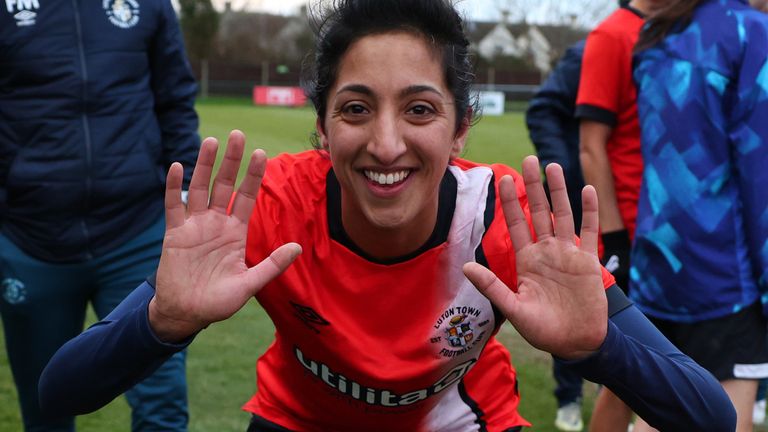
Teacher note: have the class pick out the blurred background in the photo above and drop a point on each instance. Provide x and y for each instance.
(235, 45)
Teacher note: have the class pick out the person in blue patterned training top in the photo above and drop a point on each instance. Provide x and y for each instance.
(700, 257)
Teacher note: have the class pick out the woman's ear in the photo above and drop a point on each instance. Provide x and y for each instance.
(321, 133)
(460, 140)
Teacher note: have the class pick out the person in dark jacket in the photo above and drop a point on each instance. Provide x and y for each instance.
(552, 127)
(554, 131)
(96, 101)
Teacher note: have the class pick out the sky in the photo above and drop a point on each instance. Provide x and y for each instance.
(583, 13)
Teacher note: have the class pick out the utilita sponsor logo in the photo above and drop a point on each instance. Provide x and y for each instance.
(380, 397)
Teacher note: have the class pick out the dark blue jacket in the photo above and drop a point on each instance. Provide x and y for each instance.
(96, 101)
(552, 127)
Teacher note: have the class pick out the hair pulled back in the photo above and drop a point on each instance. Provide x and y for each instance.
(339, 23)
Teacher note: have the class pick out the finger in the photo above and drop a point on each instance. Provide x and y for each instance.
(517, 224)
(271, 267)
(201, 177)
(537, 199)
(246, 193)
(492, 287)
(589, 220)
(174, 208)
(224, 184)
(561, 207)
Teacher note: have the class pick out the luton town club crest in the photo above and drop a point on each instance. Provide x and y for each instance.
(122, 13)
(459, 331)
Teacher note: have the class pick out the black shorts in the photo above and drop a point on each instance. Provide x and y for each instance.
(733, 346)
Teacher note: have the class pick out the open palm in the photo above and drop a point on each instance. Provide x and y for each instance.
(560, 305)
(202, 277)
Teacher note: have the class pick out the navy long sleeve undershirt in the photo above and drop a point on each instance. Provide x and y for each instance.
(104, 361)
(662, 385)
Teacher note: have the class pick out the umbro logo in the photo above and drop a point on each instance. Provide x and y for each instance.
(23, 11)
(309, 316)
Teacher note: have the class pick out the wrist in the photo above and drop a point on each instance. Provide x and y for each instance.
(585, 357)
(168, 329)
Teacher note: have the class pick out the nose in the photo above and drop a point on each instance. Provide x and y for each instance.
(386, 143)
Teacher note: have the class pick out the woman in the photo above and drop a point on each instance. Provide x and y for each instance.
(699, 260)
(377, 326)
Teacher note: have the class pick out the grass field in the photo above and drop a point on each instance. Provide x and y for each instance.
(221, 361)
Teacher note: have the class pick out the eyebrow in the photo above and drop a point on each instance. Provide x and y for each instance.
(356, 88)
(418, 89)
(410, 90)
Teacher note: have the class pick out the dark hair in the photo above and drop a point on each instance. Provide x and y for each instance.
(343, 22)
(676, 14)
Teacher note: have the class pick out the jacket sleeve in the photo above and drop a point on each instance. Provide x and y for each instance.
(104, 361)
(174, 88)
(748, 134)
(552, 127)
(662, 385)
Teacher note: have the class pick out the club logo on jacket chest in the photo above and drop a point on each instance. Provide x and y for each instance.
(122, 13)
(23, 11)
(459, 329)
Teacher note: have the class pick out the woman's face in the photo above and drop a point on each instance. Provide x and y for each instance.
(390, 131)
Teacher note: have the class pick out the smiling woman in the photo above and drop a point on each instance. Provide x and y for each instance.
(385, 261)
(386, 124)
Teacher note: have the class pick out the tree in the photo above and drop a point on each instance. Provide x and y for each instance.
(200, 23)
(576, 13)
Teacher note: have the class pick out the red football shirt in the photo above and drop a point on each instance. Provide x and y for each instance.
(365, 345)
(607, 94)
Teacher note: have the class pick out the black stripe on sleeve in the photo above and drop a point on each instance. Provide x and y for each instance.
(595, 113)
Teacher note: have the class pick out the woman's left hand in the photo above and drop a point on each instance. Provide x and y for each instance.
(560, 304)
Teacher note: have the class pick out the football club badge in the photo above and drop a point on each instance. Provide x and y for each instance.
(122, 13)
(13, 291)
(459, 331)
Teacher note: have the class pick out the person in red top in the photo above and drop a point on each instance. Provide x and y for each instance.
(319, 308)
(386, 262)
(610, 153)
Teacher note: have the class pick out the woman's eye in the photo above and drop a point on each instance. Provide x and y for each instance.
(354, 109)
(421, 110)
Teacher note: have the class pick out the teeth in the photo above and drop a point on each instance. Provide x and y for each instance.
(386, 179)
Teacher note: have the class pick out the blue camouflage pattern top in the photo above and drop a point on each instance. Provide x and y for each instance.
(701, 245)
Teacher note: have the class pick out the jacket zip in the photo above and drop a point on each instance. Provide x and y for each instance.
(86, 130)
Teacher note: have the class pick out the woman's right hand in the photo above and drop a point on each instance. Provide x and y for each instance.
(202, 277)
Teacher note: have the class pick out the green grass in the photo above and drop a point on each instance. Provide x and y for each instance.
(221, 362)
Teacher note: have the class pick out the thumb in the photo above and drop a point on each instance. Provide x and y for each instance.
(271, 266)
(492, 287)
